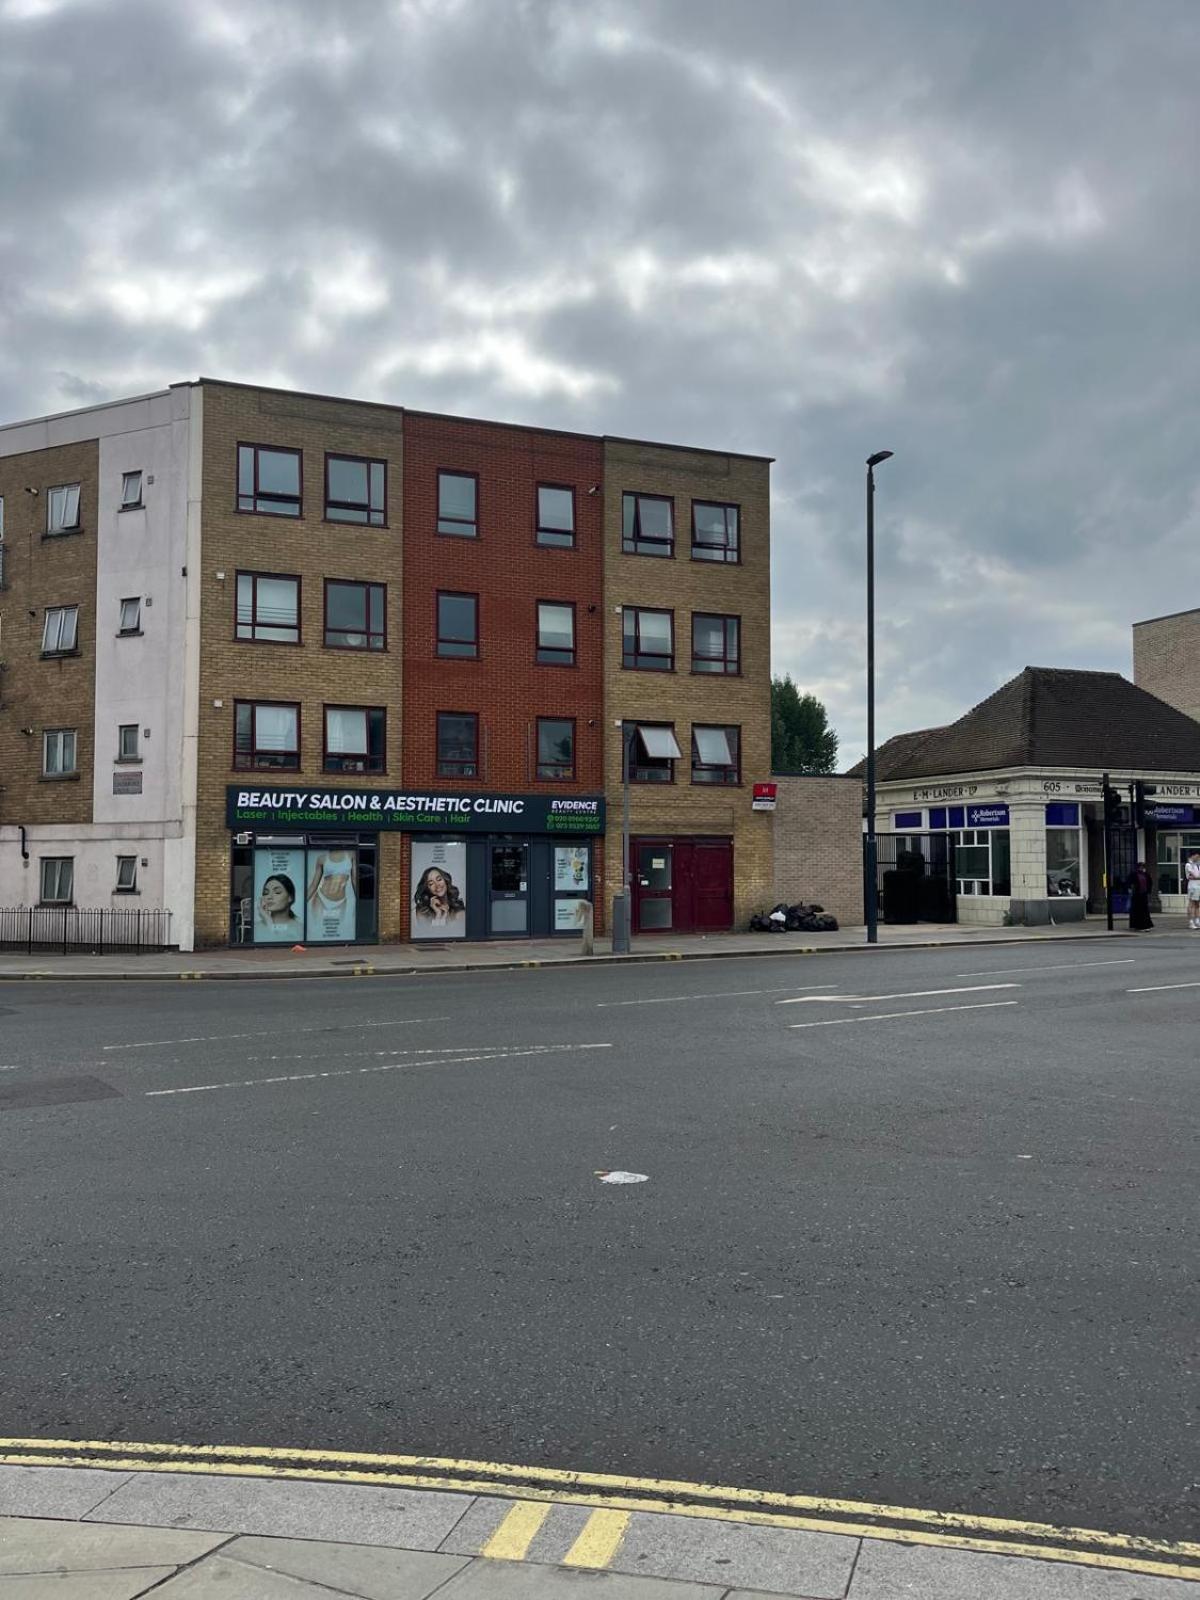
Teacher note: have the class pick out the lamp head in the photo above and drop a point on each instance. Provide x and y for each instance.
(880, 455)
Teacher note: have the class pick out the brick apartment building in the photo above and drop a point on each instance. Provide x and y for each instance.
(309, 670)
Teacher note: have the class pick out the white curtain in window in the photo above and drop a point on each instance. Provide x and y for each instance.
(277, 601)
(655, 629)
(345, 731)
(712, 745)
(659, 744)
(275, 728)
(556, 627)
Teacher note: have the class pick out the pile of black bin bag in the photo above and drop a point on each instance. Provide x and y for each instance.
(794, 919)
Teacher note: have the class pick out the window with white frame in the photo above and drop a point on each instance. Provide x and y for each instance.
(131, 490)
(127, 874)
(982, 861)
(131, 614)
(58, 880)
(62, 508)
(127, 742)
(58, 752)
(60, 630)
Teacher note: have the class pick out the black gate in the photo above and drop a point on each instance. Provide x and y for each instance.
(914, 878)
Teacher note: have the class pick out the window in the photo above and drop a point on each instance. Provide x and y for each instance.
(355, 739)
(355, 490)
(268, 480)
(647, 525)
(61, 630)
(555, 747)
(457, 624)
(716, 755)
(131, 615)
(58, 752)
(268, 608)
(266, 736)
(653, 753)
(648, 640)
(458, 497)
(982, 858)
(127, 742)
(714, 532)
(555, 634)
(58, 880)
(127, 874)
(355, 615)
(716, 644)
(131, 499)
(1063, 862)
(555, 516)
(62, 509)
(457, 744)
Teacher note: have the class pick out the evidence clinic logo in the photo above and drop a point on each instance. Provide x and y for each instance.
(584, 808)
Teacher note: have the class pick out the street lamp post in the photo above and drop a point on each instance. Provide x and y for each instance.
(622, 902)
(870, 854)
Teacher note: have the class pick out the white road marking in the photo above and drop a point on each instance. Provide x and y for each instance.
(891, 1016)
(270, 1033)
(1157, 988)
(721, 994)
(499, 1054)
(1069, 966)
(914, 994)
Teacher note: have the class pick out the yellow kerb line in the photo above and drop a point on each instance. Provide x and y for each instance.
(598, 1539)
(517, 1530)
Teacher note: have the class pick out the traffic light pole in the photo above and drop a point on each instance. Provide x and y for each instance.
(1105, 789)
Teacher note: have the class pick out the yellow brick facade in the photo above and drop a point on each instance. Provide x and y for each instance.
(1166, 660)
(308, 673)
(818, 842)
(680, 697)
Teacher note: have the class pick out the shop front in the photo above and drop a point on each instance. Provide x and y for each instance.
(306, 864)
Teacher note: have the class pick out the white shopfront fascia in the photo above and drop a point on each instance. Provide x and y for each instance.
(1026, 793)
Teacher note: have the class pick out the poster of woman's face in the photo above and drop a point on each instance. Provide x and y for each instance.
(278, 896)
(439, 906)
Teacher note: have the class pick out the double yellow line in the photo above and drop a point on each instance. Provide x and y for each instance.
(620, 1495)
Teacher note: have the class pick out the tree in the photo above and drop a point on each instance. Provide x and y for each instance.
(801, 738)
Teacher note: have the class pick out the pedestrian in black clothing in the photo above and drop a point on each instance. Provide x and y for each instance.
(1139, 899)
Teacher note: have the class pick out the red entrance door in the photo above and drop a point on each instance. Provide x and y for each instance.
(711, 877)
(683, 885)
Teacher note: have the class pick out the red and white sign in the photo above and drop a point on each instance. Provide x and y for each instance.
(764, 797)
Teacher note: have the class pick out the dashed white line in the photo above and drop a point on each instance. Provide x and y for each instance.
(270, 1033)
(1067, 966)
(914, 994)
(721, 994)
(891, 1016)
(388, 1066)
(1157, 988)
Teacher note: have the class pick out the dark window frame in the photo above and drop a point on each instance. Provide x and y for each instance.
(43, 863)
(630, 542)
(634, 665)
(351, 522)
(734, 560)
(132, 505)
(725, 618)
(367, 756)
(255, 621)
(457, 769)
(122, 729)
(658, 783)
(473, 524)
(63, 772)
(557, 777)
(368, 632)
(256, 510)
(129, 600)
(555, 536)
(733, 782)
(438, 641)
(126, 888)
(538, 647)
(251, 764)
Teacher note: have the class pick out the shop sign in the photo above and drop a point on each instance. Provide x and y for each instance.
(399, 810)
(987, 816)
(1185, 815)
(764, 797)
(948, 791)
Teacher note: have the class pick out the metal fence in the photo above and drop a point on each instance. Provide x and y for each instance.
(96, 931)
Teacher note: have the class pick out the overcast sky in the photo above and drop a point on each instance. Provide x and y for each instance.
(964, 230)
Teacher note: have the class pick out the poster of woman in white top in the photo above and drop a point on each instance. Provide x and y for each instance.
(332, 895)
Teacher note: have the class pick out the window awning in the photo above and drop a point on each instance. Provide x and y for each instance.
(659, 744)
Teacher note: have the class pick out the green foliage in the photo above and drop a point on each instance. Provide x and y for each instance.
(801, 738)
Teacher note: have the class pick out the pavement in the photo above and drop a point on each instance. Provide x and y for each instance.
(916, 1230)
(83, 1533)
(410, 960)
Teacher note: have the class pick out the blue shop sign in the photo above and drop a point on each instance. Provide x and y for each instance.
(907, 821)
(1062, 814)
(987, 816)
(1184, 815)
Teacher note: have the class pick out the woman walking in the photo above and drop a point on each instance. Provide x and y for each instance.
(1139, 899)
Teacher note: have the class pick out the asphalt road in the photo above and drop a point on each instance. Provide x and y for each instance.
(937, 1248)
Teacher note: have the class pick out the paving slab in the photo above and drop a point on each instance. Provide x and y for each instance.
(517, 1580)
(55, 1491)
(704, 1550)
(29, 1545)
(126, 1585)
(928, 1572)
(409, 1519)
(218, 1578)
(366, 1570)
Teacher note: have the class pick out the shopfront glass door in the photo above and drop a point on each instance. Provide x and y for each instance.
(652, 888)
(508, 886)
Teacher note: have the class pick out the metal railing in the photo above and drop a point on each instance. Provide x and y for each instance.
(96, 931)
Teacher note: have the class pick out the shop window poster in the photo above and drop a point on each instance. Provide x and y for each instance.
(569, 915)
(278, 896)
(570, 867)
(439, 875)
(332, 895)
